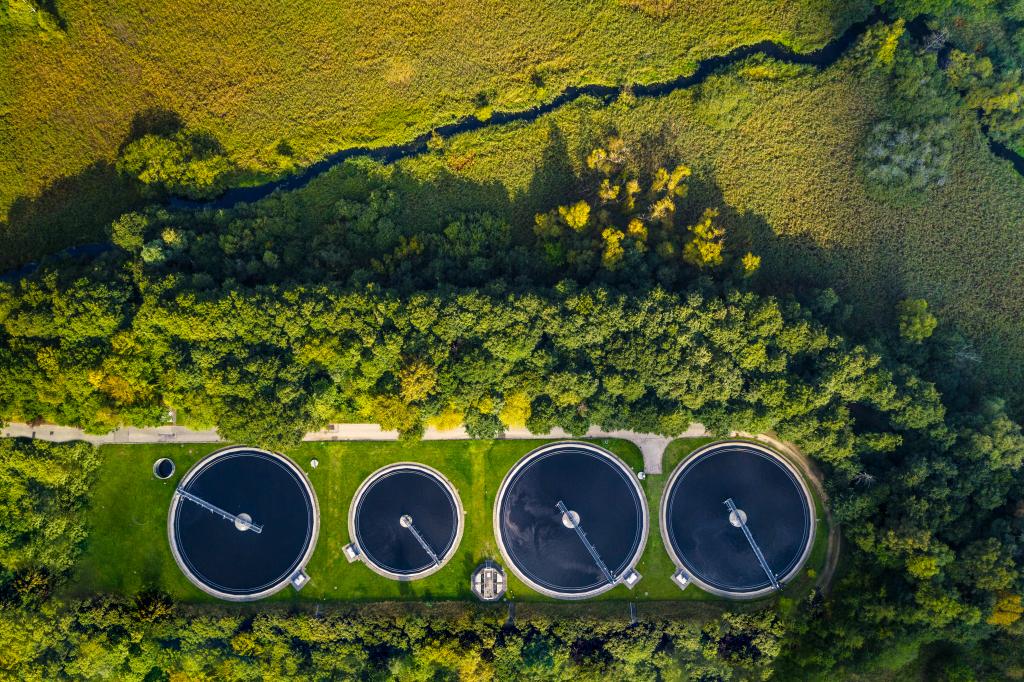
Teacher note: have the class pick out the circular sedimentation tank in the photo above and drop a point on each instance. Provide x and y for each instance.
(556, 490)
(243, 523)
(705, 536)
(406, 521)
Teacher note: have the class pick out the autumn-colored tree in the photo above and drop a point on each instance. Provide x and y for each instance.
(750, 264)
(704, 250)
(613, 251)
(1007, 610)
(515, 411)
(576, 216)
(447, 420)
(418, 379)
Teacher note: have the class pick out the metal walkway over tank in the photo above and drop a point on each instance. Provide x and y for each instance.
(741, 521)
(240, 522)
(406, 522)
(586, 543)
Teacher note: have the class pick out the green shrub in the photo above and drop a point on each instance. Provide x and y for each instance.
(916, 323)
(187, 163)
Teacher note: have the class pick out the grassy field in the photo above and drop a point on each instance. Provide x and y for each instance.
(776, 149)
(128, 549)
(279, 88)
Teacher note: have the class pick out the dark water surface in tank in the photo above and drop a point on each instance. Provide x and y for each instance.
(777, 511)
(422, 496)
(593, 486)
(244, 562)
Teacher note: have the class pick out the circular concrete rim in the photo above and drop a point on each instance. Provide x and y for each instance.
(663, 519)
(156, 468)
(173, 512)
(644, 515)
(460, 516)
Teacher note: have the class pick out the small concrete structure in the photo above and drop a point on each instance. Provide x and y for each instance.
(488, 581)
(631, 578)
(163, 468)
(299, 580)
(351, 552)
(681, 579)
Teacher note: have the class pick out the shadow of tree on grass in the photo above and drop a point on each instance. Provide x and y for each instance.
(70, 211)
(79, 208)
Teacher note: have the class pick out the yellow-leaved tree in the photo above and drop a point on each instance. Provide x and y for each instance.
(515, 410)
(704, 250)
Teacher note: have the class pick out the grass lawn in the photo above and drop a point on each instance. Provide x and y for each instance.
(128, 549)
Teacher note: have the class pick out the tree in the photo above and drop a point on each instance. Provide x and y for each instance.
(187, 163)
(418, 379)
(915, 322)
(704, 250)
(128, 232)
(449, 419)
(576, 216)
(613, 251)
(751, 264)
(515, 411)
(1007, 611)
(45, 490)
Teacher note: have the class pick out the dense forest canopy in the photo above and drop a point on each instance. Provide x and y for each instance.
(628, 318)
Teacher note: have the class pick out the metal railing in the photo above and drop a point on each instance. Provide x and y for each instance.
(241, 523)
(423, 543)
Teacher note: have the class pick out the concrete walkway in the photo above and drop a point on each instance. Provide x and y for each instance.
(651, 445)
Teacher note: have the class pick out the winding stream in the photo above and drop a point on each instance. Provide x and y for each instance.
(606, 94)
(821, 58)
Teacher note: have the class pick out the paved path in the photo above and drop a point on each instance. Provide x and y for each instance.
(651, 446)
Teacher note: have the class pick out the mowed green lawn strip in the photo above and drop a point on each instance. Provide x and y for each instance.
(128, 548)
(656, 565)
